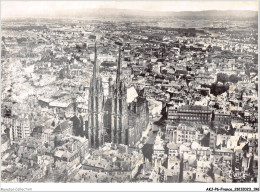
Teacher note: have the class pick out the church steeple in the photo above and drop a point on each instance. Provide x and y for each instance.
(95, 107)
(119, 68)
(95, 67)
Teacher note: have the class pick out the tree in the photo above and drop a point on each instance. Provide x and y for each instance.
(222, 77)
(233, 78)
(218, 90)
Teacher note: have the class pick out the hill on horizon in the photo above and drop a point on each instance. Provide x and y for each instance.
(207, 14)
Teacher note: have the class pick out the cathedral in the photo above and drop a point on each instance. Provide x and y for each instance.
(113, 119)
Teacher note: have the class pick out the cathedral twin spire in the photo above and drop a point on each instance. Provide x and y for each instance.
(96, 66)
(96, 129)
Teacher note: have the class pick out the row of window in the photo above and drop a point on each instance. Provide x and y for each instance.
(194, 111)
(193, 118)
(186, 140)
(192, 114)
(186, 136)
(189, 132)
(74, 157)
(223, 154)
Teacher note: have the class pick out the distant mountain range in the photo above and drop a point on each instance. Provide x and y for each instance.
(209, 14)
(128, 12)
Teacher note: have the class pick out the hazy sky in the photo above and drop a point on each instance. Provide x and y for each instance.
(30, 8)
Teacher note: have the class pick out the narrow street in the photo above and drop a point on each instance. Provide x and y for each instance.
(150, 140)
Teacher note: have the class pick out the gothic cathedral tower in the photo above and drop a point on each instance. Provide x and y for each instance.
(119, 110)
(95, 107)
